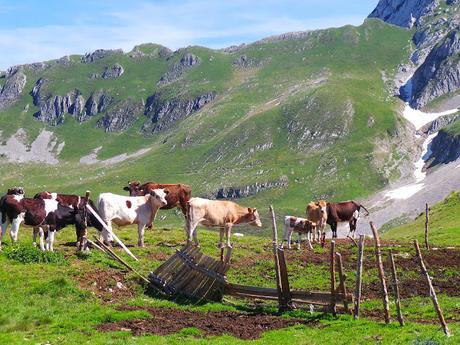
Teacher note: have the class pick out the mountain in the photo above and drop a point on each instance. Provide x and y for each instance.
(283, 120)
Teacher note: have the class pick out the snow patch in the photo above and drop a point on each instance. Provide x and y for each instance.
(404, 192)
(426, 153)
(419, 119)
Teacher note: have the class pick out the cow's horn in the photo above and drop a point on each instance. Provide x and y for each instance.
(87, 194)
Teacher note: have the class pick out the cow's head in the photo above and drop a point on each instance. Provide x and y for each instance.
(322, 204)
(158, 197)
(133, 188)
(15, 191)
(253, 217)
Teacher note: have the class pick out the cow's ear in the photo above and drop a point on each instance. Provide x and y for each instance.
(254, 210)
(126, 189)
(166, 191)
(250, 210)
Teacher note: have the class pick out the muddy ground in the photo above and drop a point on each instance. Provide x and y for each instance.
(166, 321)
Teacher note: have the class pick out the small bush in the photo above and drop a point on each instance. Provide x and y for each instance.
(29, 254)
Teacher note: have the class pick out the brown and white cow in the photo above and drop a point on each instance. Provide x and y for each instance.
(178, 194)
(125, 210)
(317, 213)
(41, 213)
(218, 213)
(299, 225)
(75, 202)
(346, 211)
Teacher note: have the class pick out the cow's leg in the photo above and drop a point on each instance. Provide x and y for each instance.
(290, 238)
(220, 245)
(51, 235)
(106, 235)
(228, 228)
(140, 234)
(299, 240)
(41, 238)
(35, 233)
(15, 229)
(3, 232)
(286, 228)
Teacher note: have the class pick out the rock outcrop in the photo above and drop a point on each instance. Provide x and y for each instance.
(440, 72)
(445, 148)
(53, 108)
(406, 13)
(113, 72)
(99, 54)
(163, 114)
(150, 50)
(248, 190)
(121, 116)
(15, 81)
(178, 70)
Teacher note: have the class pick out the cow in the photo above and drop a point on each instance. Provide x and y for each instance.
(18, 194)
(126, 210)
(178, 194)
(219, 213)
(299, 225)
(75, 202)
(43, 213)
(346, 211)
(317, 213)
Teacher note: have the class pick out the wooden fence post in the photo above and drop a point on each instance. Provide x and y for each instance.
(333, 287)
(427, 210)
(359, 274)
(396, 289)
(281, 302)
(343, 287)
(378, 256)
(432, 292)
(285, 289)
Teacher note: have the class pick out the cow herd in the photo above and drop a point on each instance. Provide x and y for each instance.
(48, 213)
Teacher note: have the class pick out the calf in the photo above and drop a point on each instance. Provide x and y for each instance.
(299, 225)
(317, 213)
(219, 213)
(75, 202)
(346, 211)
(178, 194)
(126, 210)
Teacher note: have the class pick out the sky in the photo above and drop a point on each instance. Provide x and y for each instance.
(40, 30)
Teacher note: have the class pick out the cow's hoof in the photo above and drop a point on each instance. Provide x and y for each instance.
(220, 245)
(141, 245)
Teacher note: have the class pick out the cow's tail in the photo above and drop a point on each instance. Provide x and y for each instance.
(364, 210)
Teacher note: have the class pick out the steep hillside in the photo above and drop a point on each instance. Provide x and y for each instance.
(444, 224)
(300, 114)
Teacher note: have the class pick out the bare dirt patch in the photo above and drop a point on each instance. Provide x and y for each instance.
(166, 321)
(108, 285)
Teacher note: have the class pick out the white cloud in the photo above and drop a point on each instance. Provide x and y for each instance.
(197, 22)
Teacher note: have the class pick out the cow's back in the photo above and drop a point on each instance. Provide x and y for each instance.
(214, 212)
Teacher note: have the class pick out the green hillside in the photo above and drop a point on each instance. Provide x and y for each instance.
(444, 224)
(301, 114)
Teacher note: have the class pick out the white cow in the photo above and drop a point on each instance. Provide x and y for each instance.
(219, 213)
(126, 210)
(299, 225)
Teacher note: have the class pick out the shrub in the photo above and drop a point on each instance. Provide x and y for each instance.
(29, 254)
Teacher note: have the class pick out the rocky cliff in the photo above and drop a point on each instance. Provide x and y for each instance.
(163, 113)
(14, 82)
(445, 148)
(435, 58)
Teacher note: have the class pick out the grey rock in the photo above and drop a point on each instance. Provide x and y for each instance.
(113, 72)
(405, 13)
(64, 61)
(439, 74)
(445, 148)
(99, 54)
(245, 61)
(177, 70)
(155, 51)
(12, 88)
(121, 116)
(163, 114)
(248, 190)
(439, 123)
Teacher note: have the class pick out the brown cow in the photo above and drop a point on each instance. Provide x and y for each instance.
(178, 194)
(346, 211)
(317, 213)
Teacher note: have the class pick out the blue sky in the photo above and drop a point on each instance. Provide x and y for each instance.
(33, 30)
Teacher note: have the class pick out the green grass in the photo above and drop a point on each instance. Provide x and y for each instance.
(55, 303)
(444, 225)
